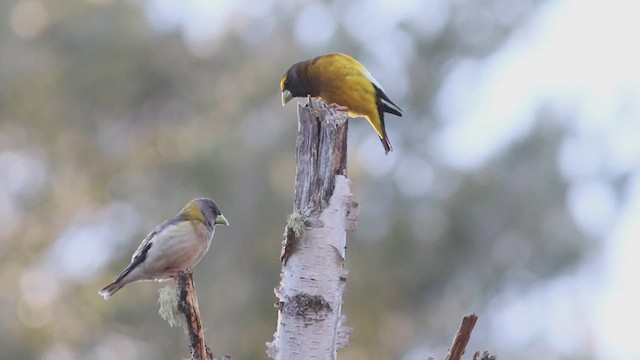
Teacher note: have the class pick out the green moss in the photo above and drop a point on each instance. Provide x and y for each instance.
(297, 223)
(168, 298)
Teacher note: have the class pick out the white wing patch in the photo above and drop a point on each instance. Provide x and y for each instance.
(370, 77)
(347, 62)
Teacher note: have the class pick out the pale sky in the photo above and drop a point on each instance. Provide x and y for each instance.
(582, 57)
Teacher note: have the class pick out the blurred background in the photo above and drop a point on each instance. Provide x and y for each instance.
(513, 191)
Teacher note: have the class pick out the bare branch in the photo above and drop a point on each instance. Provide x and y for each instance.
(188, 305)
(461, 339)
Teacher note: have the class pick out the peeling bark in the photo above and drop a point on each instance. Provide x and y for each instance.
(313, 277)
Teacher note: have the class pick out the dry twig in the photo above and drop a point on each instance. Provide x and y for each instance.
(461, 339)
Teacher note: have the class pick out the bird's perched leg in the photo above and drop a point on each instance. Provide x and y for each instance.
(336, 107)
(179, 271)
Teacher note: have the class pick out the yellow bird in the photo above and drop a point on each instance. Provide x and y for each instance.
(340, 79)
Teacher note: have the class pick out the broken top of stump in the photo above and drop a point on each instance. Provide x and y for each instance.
(314, 145)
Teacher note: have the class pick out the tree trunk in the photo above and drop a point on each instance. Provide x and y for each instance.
(313, 277)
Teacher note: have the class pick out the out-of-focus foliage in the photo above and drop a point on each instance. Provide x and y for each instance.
(113, 114)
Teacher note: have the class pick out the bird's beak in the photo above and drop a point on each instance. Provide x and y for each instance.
(221, 220)
(286, 96)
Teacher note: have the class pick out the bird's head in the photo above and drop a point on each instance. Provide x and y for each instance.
(210, 211)
(293, 83)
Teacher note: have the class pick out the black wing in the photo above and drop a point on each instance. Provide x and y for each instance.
(385, 103)
(137, 260)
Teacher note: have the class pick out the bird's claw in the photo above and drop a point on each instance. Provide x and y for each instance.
(336, 107)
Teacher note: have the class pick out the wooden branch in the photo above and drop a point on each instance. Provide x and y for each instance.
(313, 278)
(461, 339)
(188, 305)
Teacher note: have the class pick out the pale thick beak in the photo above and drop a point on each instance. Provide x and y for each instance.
(221, 220)
(286, 97)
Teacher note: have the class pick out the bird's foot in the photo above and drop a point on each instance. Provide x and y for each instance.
(336, 107)
(337, 110)
(180, 272)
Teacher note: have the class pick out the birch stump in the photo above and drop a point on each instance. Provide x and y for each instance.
(313, 277)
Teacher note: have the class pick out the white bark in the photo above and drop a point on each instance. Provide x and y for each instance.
(313, 278)
(310, 323)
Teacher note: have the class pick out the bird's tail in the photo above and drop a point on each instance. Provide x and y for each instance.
(386, 144)
(382, 131)
(111, 289)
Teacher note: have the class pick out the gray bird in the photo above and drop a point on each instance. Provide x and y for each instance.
(176, 244)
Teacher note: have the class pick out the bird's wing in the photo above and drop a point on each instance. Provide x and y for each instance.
(387, 105)
(370, 77)
(140, 255)
(145, 244)
(181, 245)
(138, 258)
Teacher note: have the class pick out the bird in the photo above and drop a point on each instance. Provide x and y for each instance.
(176, 244)
(343, 82)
